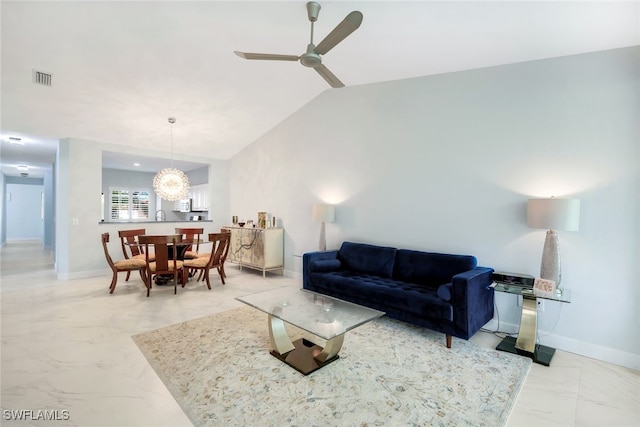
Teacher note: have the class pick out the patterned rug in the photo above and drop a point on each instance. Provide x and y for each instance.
(389, 373)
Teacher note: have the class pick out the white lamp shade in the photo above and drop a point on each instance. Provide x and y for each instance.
(554, 214)
(324, 213)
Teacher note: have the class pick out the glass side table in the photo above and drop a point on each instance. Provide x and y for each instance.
(525, 344)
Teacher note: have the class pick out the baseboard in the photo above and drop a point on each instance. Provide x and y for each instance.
(582, 348)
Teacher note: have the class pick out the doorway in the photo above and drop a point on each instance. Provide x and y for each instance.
(25, 212)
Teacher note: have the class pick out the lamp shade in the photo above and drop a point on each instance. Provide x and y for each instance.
(554, 214)
(323, 213)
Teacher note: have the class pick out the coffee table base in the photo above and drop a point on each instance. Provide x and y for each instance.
(302, 355)
(303, 358)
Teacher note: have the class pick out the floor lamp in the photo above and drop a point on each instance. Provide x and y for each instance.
(322, 214)
(553, 214)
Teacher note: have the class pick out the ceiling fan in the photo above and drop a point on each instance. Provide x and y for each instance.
(311, 58)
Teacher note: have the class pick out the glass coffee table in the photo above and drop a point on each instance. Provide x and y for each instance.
(321, 315)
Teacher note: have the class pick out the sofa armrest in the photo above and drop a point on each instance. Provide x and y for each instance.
(311, 257)
(472, 299)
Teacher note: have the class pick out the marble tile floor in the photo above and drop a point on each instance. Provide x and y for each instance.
(66, 345)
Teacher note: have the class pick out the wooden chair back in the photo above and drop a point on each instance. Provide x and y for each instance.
(105, 240)
(192, 235)
(162, 263)
(220, 248)
(128, 239)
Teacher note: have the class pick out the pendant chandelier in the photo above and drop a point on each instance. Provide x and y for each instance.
(170, 183)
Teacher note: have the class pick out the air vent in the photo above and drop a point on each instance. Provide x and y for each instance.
(42, 78)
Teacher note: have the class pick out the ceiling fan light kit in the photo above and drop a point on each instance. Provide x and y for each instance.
(312, 58)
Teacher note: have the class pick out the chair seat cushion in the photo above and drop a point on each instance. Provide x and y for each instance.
(152, 266)
(204, 255)
(143, 257)
(190, 255)
(200, 262)
(130, 264)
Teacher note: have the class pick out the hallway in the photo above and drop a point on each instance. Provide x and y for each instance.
(19, 256)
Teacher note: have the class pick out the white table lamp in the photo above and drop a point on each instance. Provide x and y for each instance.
(553, 214)
(322, 214)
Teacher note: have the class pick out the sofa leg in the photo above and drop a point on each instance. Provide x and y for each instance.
(448, 341)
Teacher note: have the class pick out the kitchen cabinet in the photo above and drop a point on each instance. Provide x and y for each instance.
(199, 195)
(257, 248)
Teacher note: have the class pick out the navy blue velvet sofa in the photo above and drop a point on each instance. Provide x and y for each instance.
(442, 292)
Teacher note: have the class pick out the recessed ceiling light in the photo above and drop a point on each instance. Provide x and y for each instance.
(23, 167)
(136, 164)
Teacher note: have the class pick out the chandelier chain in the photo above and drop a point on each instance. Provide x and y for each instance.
(172, 121)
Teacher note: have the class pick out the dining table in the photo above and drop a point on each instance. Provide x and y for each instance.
(182, 247)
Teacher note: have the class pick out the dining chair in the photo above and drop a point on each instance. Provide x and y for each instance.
(166, 262)
(208, 254)
(129, 239)
(192, 235)
(220, 247)
(121, 266)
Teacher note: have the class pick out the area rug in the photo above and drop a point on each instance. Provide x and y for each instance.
(389, 373)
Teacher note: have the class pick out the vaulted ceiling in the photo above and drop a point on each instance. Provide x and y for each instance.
(120, 68)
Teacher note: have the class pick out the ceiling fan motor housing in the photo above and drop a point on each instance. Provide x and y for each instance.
(310, 59)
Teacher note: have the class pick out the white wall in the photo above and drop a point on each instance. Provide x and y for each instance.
(446, 163)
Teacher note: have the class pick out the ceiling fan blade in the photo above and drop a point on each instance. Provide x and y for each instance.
(346, 27)
(267, 56)
(329, 76)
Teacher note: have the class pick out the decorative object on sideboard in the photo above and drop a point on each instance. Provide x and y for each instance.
(262, 219)
(323, 213)
(170, 183)
(553, 214)
(241, 224)
(234, 220)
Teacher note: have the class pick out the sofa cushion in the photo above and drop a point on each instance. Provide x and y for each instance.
(444, 292)
(428, 268)
(325, 265)
(367, 259)
(375, 291)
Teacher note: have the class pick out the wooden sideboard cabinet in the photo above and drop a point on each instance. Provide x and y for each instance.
(257, 248)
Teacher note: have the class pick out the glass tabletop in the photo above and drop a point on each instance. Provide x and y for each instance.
(562, 296)
(318, 314)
